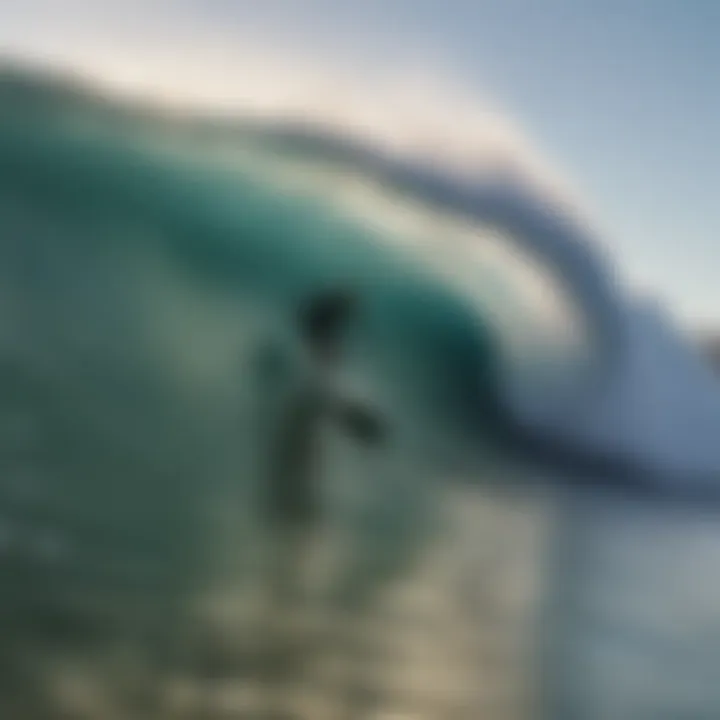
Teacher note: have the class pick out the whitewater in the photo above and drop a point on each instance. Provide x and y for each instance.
(147, 250)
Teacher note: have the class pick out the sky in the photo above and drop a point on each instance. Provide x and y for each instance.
(623, 96)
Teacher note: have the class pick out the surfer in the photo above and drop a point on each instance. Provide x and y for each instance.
(291, 501)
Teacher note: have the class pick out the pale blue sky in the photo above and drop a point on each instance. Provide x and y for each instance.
(624, 94)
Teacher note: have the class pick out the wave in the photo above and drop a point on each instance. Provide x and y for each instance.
(147, 252)
(208, 214)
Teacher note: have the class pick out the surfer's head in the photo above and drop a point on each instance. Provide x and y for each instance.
(324, 319)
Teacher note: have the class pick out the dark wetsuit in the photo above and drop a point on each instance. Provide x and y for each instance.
(292, 496)
(305, 399)
(297, 401)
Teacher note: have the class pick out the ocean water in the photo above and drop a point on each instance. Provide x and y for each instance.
(145, 258)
